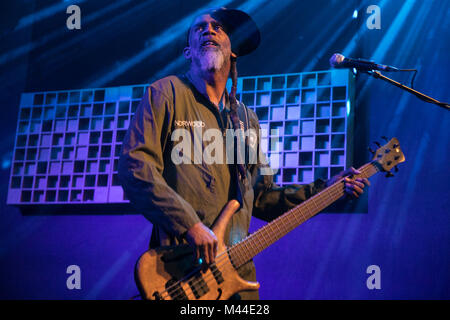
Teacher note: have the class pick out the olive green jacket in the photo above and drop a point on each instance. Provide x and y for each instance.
(176, 196)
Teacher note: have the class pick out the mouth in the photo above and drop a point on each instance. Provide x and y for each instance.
(209, 43)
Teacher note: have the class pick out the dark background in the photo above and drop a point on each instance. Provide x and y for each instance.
(406, 230)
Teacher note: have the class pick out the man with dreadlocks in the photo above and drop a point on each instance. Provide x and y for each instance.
(183, 200)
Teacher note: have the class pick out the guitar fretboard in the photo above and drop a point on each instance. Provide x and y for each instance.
(249, 247)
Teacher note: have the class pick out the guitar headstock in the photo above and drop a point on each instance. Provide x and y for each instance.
(388, 156)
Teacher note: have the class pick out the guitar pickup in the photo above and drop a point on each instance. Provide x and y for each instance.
(198, 286)
(216, 273)
(175, 290)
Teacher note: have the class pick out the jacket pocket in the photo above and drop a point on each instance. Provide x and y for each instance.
(208, 178)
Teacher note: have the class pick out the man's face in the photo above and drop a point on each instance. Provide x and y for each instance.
(209, 45)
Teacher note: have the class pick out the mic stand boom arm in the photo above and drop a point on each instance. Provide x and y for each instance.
(378, 75)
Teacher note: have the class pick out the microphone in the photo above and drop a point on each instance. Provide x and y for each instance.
(337, 60)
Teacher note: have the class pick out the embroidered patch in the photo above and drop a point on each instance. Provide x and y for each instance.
(189, 123)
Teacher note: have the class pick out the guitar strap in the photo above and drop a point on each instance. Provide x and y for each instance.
(243, 114)
(242, 126)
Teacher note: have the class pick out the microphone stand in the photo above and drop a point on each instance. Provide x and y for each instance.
(378, 75)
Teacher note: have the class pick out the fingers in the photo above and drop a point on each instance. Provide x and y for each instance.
(207, 251)
(215, 249)
(203, 242)
(350, 172)
(357, 182)
(212, 248)
(351, 193)
(354, 171)
(198, 253)
(365, 181)
(210, 258)
(354, 188)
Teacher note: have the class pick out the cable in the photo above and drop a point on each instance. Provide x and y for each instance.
(413, 77)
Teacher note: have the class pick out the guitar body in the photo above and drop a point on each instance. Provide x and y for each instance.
(159, 270)
(169, 273)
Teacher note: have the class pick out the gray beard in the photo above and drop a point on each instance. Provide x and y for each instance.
(211, 60)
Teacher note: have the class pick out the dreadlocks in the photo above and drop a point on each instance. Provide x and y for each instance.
(233, 73)
(234, 116)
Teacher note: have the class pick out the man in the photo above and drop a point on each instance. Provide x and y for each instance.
(181, 199)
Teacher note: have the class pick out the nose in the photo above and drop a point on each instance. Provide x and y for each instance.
(209, 30)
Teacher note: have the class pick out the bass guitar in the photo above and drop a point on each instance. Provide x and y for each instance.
(168, 273)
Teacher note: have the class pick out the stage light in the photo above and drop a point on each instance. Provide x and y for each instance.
(355, 14)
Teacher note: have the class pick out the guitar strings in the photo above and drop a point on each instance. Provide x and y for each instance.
(333, 190)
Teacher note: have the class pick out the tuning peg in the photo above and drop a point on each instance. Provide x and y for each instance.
(385, 138)
(396, 169)
(377, 144)
(389, 174)
(371, 150)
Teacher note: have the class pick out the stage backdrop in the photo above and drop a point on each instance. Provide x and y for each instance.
(398, 249)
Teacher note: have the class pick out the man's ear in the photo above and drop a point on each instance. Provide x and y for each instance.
(187, 52)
